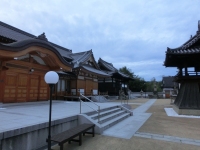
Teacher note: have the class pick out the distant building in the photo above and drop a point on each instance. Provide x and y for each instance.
(169, 86)
(87, 73)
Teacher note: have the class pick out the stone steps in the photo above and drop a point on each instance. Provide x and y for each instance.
(109, 116)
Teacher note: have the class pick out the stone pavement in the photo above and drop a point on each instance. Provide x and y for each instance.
(129, 126)
(149, 128)
(19, 115)
(129, 133)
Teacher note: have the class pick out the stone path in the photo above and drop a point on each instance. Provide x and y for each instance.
(168, 138)
(129, 127)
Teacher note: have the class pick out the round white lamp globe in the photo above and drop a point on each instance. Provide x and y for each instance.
(51, 77)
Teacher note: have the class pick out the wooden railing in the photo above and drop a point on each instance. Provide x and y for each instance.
(189, 73)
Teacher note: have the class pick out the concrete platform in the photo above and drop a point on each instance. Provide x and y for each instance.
(149, 128)
(19, 115)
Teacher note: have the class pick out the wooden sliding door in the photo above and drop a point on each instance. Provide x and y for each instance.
(33, 88)
(10, 88)
(43, 89)
(22, 87)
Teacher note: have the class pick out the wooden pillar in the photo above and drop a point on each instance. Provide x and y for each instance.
(104, 83)
(186, 72)
(112, 81)
(2, 84)
(181, 71)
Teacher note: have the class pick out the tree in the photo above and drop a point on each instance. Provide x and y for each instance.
(154, 86)
(137, 84)
(127, 71)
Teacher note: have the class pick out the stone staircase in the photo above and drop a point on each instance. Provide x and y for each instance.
(108, 117)
(99, 98)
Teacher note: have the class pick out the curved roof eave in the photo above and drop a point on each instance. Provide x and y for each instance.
(94, 71)
(107, 65)
(121, 75)
(187, 44)
(22, 45)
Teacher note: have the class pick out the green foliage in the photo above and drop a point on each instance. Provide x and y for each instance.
(127, 71)
(135, 85)
(139, 83)
(154, 86)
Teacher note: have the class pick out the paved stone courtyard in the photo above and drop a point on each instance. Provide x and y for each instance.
(149, 127)
(158, 131)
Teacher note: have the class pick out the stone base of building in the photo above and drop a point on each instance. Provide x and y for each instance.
(193, 112)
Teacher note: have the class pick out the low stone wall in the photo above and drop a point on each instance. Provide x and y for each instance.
(193, 112)
(138, 94)
(34, 137)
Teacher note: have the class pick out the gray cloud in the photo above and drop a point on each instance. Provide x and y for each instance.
(128, 33)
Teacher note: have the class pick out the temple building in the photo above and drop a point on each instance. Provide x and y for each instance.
(116, 82)
(87, 73)
(187, 59)
(169, 87)
(25, 58)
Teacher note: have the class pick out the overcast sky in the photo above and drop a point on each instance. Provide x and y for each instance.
(131, 33)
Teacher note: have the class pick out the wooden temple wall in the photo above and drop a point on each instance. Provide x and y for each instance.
(18, 84)
(1, 83)
(87, 85)
(109, 86)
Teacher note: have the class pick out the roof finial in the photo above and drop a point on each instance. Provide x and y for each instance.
(42, 37)
(199, 25)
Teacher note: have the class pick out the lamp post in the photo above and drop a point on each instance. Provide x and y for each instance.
(145, 89)
(51, 78)
(141, 92)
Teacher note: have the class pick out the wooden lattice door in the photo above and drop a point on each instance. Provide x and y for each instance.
(43, 89)
(22, 87)
(88, 87)
(33, 88)
(10, 91)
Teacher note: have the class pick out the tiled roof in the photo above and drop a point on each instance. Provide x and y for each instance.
(124, 75)
(186, 55)
(80, 57)
(111, 70)
(191, 41)
(66, 73)
(107, 65)
(15, 34)
(93, 70)
(189, 47)
(168, 82)
(194, 50)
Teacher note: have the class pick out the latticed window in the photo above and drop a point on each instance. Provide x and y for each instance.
(61, 85)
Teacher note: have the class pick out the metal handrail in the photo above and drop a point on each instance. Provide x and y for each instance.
(88, 99)
(98, 111)
(87, 105)
(125, 100)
